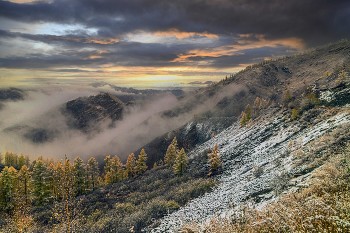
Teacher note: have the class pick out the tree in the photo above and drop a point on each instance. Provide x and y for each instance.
(181, 162)
(22, 160)
(40, 179)
(24, 177)
(131, 165)
(11, 159)
(58, 176)
(141, 165)
(66, 210)
(243, 121)
(113, 169)
(108, 170)
(8, 186)
(214, 160)
(79, 176)
(21, 216)
(51, 180)
(93, 173)
(108, 164)
(117, 169)
(171, 152)
(294, 114)
(287, 98)
(248, 111)
(246, 115)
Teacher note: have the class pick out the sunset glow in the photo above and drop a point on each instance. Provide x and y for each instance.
(148, 44)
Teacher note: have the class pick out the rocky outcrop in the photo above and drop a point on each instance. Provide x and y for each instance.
(11, 94)
(87, 112)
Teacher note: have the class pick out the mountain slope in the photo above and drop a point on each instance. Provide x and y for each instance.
(275, 152)
(282, 151)
(219, 105)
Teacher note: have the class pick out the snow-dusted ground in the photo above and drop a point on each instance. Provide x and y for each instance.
(262, 144)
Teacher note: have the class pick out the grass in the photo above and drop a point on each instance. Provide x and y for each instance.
(149, 198)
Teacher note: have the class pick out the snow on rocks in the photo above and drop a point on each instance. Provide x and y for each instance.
(242, 149)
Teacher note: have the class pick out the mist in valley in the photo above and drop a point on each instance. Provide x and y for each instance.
(141, 122)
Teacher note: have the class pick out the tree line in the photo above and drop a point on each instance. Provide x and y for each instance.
(43, 181)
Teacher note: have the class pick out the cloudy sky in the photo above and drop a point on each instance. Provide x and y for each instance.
(156, 42)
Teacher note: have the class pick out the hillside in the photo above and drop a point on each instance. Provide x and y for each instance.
(275, 154)
(216, 107)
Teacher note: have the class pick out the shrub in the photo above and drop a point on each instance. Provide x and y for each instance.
(158, 207)
(125, 208)
(258, 171)
(294, 114)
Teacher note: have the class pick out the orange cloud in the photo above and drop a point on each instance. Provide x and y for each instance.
(245, 41)
(100, 41)
(183, 35)
(92, 40)
(98, 54)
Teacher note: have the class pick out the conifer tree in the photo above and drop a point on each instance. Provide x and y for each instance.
(108, 176)
(141, 165)
(68, 195)
(171, 152)
(246, 115)
(58, 179)
(243, 121)
(8, 186)
(248, 112)
(181, 162)
(52, 185)
(108, 164)
(93, 173)
(22, 160)
(214, 160)
(21, 213)
(131, 165)
(286, 98)
(117, 169)
(11, 159)
(40, 179)
(24, 177)
(79, 176)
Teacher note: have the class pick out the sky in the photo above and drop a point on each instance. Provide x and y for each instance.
(148, 43)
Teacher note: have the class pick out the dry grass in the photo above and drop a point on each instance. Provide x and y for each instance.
(322, 207)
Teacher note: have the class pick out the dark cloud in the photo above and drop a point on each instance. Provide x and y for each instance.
(124, 54)
(316, 21)
(312, 21)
